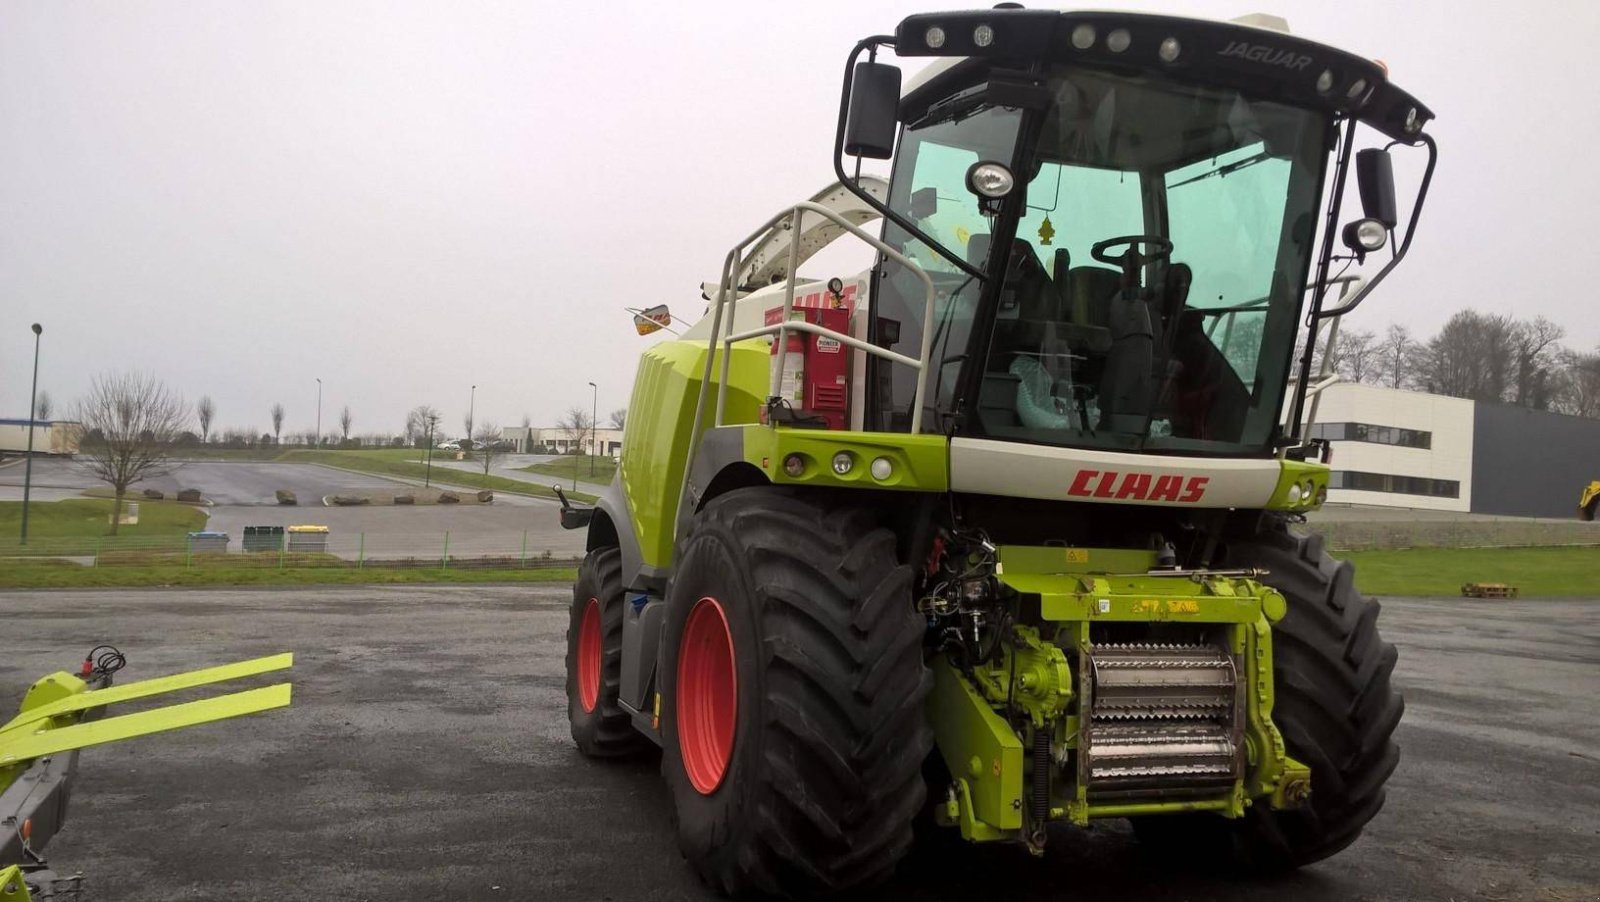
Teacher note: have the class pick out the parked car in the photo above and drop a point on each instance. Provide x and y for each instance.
(448, 446)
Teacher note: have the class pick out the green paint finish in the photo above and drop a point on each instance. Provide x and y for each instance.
(1053, 560)
(13, 888)
(1298, 473)
(920, 463)
(1039, 672)
(979, 748)
(656, 445)
(1079, 586)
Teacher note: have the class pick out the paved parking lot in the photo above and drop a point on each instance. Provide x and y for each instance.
(242, 494)
(426, 757)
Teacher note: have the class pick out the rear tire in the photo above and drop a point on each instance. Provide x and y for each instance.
(1335, 707)
(600, 727)
(821, 778)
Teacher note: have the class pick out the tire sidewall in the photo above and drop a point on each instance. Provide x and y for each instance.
(586, 725)
(710, 567)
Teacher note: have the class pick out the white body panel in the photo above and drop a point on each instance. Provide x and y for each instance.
(1019, 470)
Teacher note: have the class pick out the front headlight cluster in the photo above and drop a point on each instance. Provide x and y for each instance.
(1307, 494)
(796, 465)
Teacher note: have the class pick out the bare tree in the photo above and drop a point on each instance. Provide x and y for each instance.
(277, 422)
(488, 435)
(619, 417)
(1578, 390)
(205, 409)
(43, 406)
(1357, 355)
(1538, 351)
(420, 423)
(527, 421)
(578, 426)
(1472, 356)
(1394, 355)
(132, 419)
(345, 419)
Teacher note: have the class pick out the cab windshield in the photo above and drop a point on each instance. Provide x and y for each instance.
(1150, 294)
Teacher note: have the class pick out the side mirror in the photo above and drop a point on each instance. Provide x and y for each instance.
(1375, 176)
(874, 111)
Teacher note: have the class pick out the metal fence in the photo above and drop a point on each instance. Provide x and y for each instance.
(358, 550)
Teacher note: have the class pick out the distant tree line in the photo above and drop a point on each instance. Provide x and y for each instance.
(1490, 357)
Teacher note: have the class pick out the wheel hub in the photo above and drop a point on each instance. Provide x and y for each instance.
(708, 696)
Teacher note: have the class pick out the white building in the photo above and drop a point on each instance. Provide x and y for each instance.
(1414, 450)
(555, 440)
(1397, 448)
(49, 437)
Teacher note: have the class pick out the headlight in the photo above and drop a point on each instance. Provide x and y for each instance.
(843, 463)
(882, 468)
(934, 38)
(794, 465)
(1365, 235)
(991, 180)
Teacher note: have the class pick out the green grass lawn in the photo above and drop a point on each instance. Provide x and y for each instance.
(387, 462)
(564, 467)
(1553, 571)
(63, 575)
(81, 518)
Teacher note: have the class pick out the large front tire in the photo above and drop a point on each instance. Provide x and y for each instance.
(1335, 707)
(799, 618)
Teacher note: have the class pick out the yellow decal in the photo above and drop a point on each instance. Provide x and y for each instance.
(962, 235)
(1173, 606)
(1046, 231)
(1077, 555)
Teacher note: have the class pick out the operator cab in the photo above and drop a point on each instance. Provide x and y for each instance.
(1120, 214)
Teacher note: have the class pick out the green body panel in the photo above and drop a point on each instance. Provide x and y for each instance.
(12, 887)
(980, 750)
(660, 422)
(920, 463)
(1300, 473)
(1077, 587)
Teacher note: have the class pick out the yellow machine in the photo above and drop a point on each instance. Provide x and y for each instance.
(63, 713)
(1589, 500)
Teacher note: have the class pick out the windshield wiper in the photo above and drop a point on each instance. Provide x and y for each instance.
(1228, 169)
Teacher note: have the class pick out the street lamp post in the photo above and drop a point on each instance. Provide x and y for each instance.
(33, 400)
(427, 472)
(472, 406)
(318, 442)
(594, 425)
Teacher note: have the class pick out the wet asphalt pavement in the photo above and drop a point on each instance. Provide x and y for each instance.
(426, 756)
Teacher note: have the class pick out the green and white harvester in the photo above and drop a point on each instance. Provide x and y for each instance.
(1003, 531)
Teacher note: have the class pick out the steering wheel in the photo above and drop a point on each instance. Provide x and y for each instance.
(1160, 249)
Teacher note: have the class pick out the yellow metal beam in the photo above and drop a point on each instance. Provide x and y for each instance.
(20, 746)
(83, 701)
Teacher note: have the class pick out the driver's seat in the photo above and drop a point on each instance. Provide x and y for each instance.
(1089, 291)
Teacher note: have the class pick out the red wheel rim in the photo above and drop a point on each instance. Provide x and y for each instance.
(589, 655)
(708, 696)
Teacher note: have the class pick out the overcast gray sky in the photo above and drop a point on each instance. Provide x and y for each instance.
(405, 199)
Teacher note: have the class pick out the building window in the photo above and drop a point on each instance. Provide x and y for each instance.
(1366, 432)
(1399, 485)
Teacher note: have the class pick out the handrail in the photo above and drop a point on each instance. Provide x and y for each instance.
(783, 326)
(728, 294)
